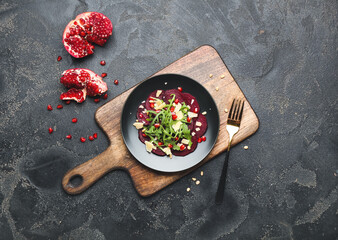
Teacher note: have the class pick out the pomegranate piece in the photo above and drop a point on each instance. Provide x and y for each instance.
(96, 87)
(49, 107)
(79, 95)
(87, 28)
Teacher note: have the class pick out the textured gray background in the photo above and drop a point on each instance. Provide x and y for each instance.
(283, 54)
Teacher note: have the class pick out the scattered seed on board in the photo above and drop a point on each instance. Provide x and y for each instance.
(210, 75)
(194, 179)
(202, 173)
(188, 189)
(226, 110)
(222, 76)
(197, 182)
(217, 88)
(245, 147)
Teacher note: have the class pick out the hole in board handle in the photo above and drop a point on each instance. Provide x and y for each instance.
(75, 181)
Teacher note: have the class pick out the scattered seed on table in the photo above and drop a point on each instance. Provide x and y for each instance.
(217, 88)
(245, 147)
(49, 107)
(210, 75)
(188, 189)
(197, 182)
(202, 173)
(226, 110)
(222, 76)
(194, 179)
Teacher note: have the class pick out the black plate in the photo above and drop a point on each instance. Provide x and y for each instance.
(130, 133)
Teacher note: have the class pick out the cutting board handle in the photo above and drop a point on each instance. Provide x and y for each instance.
(81, 177)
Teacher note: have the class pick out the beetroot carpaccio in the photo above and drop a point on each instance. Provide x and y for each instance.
(85, 29)
(81, 83)
(169, 122)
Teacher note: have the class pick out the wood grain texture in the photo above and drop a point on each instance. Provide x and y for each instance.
(197, 65)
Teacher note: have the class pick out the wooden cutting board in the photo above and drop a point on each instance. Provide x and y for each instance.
(198, 65)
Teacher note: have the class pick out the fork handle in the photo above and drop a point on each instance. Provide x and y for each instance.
(221, 184)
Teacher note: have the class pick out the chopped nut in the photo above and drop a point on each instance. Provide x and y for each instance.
(197, 129)
(143, 130)
(226, 110)
(197, 182)
(204, 113)
(185, 141)
(217, 88)
(194, 179)
(201, 173)
(222, 76)
(188, 189)
(198, 124)
(193, 134)
(261, 31)
(245, 147)
(210, 75)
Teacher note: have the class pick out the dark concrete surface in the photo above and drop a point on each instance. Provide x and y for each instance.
(283, 54)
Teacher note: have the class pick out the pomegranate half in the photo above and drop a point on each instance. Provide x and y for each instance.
(85, 29)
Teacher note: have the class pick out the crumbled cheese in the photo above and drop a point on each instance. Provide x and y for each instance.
(158, 93)
(185, 141)
(193, 134)
(136, 120)
(159, 105)
(197, 182)
(222, 76)
(138, 125)
(141, 106)
(167, 151)
(178, 107)
(192, 101)
(149, 146)
(188, 189)
(204, 113)
(179, 115)
(177, 126)
(197, 129)
(192, 115)
(188, 106)
(189, 147)
(198, 124)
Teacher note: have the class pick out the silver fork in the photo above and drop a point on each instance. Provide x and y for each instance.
(233, 123)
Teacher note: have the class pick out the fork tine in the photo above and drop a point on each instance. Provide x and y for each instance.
(241, 111)
(236, 109)
(231, 109)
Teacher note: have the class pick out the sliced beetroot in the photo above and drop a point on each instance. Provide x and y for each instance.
(141, 115)
(153, 95)
(204, 125)
(141, 137)
(168, 93)
(186, 150)
(158, 151)
(191, 101)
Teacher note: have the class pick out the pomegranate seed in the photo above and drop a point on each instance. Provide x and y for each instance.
(179, 89)
(170, 146)
(50, 130)
(188, 119)
(74, 120)
(144, 135)
(49, 107)
(199, 140)
(140, 115)
(68, 102)
(176, 138)
(83, 33)
(103, 62)
(195, 110)
(157, 125)
(59, 58)
(95, 135)
(176, 101)
(97, 100)
(59, 106)
(182, 147)
(152, 105)
(105, 96)
(160, 143)
(91, 138)
(82, 139)
(104, 75)
(75, 23)
(204, 138)
(116, 81)
(151, 98)
(174, 117)
(69, 136)
(172, 109)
